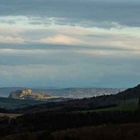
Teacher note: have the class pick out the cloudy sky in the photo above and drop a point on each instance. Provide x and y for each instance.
(69, 43)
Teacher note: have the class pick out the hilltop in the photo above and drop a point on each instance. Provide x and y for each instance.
(28, 94)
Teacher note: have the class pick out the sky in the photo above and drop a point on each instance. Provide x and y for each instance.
(69, 43)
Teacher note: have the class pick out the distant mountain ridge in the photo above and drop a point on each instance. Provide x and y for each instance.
(93, 102)
(5, 91)
(65, 92)
(122, 100)
(28, 94)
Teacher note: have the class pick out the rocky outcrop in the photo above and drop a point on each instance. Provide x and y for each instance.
(28, 94)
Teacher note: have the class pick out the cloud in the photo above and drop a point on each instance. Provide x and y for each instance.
(21, 29)
(11, 40)
(79, 10)
(61, 39)
(96, 43)
(109, 53)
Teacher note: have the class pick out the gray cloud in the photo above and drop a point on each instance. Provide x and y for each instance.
(76, 10)
(69, 43)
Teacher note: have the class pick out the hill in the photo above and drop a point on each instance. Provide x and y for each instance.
(65, 92)
(66, 119)
(121, 100)
(27, 94)
(130, 93)
(118, 102)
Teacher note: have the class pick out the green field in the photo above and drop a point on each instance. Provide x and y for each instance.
(128, 105)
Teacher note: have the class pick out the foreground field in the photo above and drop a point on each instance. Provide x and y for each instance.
(103, 132)
(128, 131)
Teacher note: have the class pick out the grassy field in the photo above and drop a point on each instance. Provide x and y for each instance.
(128, 131)
(103, 132)
(128, 105)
